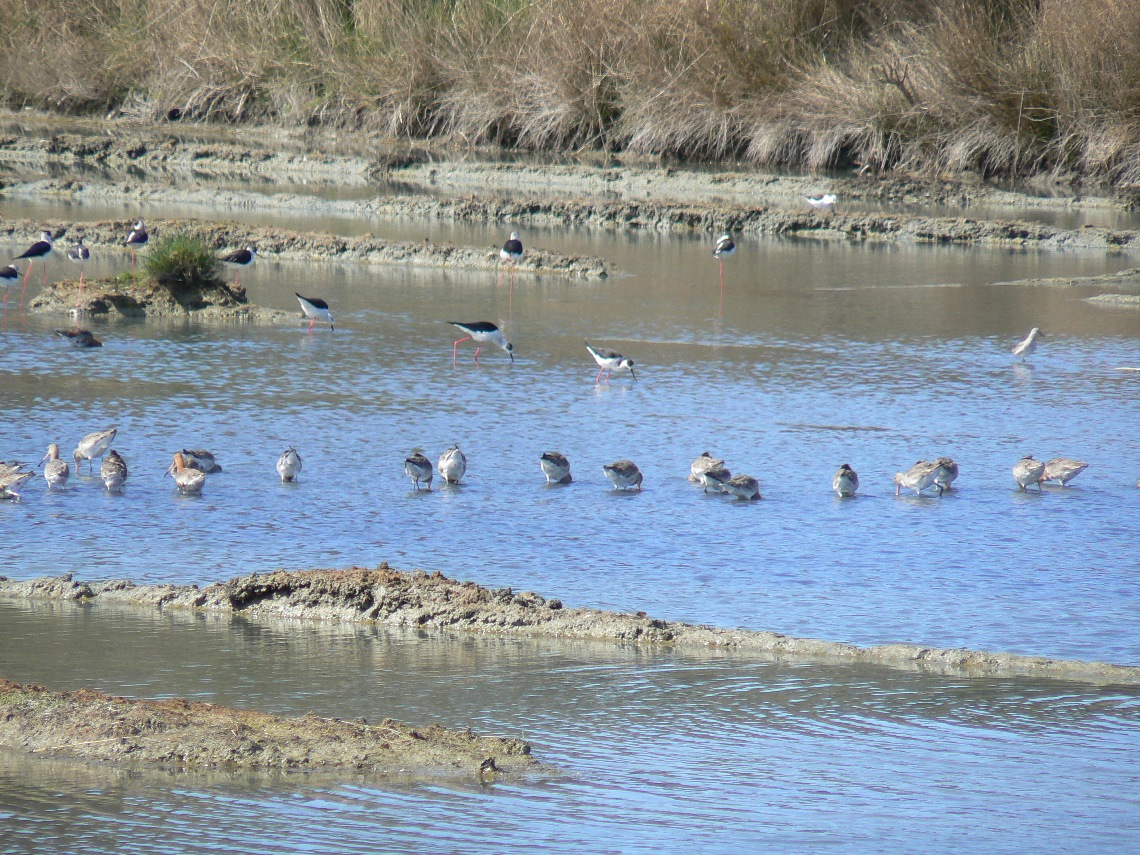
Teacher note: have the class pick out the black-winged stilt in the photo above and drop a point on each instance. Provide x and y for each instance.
(8, 277)
(826, 202)
(481, 332)
(511, 254)
(609, 361)
(136, 240)
(315, 309)
(240, 258)
(79, 337)
(723, 249)
(79, 254)
(38, 251)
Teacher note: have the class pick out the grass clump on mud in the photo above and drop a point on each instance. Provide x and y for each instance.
(183, 259)
(998, 87)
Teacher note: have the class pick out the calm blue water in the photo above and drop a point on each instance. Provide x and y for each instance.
(815, 355)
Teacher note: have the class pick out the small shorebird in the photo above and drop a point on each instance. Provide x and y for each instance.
(200, 459)
(609, 361)
(555, 467)
(702, 463)
(79, 337)
(1025, 348)
(113, 471)
(947, 472)
(1027, 472)
(918, 478)
(1063, 469)
(418, 468)
(8, 277)
(452, 464)
(56, 471)
(315, 309)
(826, 202)
(289, 465)
(481, 332)
(136, 240)
(623, 474)
(79, 254)
(715, 477)
(240, 258)
(93, 445)
(511, 254)
(38, 251)
(11, 482)
(846, 481)
(188, 481)
(743, 487)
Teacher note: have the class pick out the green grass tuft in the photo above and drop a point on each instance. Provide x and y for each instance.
(183, 258)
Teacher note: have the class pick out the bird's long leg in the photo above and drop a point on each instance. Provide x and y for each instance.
(28, 272)
(455, 348)
(43, 267)
(598, 379)
(311, 322)
(502, 273)
(79, 296)
(477, 349)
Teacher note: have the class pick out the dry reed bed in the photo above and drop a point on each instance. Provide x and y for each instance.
(1001, 87)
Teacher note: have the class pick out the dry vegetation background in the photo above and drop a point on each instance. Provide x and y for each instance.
(1002, 87)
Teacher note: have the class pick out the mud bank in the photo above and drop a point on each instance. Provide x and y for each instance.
(432, 601)
(178, 733)
(146, 298)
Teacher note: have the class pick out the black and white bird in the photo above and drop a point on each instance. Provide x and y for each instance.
(511, 254)
(481, 332)
(79, 254)
(315, 309)
(79, 337)
(8, 277)
(555, 467)
(136, 240)
(38, 251)
(609, 361)
(826, 202)
(240, 258)
(723, 249)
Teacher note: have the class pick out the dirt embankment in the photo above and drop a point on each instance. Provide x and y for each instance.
(419, 600)
(191, 734)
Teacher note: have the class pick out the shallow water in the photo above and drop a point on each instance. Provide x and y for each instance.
(813, 355)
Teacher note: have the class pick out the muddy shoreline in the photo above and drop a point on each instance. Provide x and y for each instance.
(420, 600)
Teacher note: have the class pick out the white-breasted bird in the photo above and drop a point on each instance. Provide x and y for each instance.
(56, 471)
(38, 251)
(1028, 345)
(555, 467)
(93, 445)
(918, 478)
(511, 254)
(11, 482)
(1027, 472)
(481, 332)
(715, 477)
(136, 240)
(289, 464)
(623, 474)
(240, 258)
(189, 481)
(452, 465)
(609, 361)
(702, 463)
(315, 309)
(846, 481)
(822, 203)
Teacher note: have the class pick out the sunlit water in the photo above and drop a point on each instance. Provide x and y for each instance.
(814, 354)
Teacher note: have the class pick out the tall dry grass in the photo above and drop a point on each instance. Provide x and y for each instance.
(1002, 87)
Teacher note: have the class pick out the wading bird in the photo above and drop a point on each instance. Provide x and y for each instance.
(1027, 472)
(623, 474)
(846, 481)
(481, 332)
(38, 251)
(79, 254)
(315, 309)
(1025, 348)
(240, 258)
(609, 361)
(289, 464)
(93, 445)
(418, 468)
(452, 465)
(555, 467)
(136, 240)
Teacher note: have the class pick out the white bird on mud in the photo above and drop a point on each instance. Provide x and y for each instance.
(609, 361)
(56, 472)
(188, 481)
(418, 468)
(1028, 345)
(623, 474)
(555, 467)
(113, 471)
(1027, 472)
(744, 487)
(701, 464)
(93, 445)
(845, 482)
(918, 478)
(289, 464)
(1063, 470)
(822, 203)
(452, 465)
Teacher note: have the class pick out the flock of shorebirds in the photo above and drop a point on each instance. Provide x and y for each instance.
(189, 468)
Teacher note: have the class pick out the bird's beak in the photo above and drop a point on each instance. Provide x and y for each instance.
(169, 469)
(511, 355)
(631, 374)
(45, 457)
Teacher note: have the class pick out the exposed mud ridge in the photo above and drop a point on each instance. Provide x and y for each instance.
(432, 601)
(270, 241)
(186, 734)
(144, 297)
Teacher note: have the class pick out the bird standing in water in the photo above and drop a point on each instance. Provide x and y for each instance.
(481, 332)
(315, 309)
(136, 240)
(79, 254)
(1028, 345)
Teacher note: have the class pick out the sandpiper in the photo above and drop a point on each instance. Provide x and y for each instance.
(623, 474)
(705, 461)
(79, 337)
(1027, 472)
(188, 481)
(481, 332)
(113, 471)
(315, 309)
(511, 254)
(846, 481)
(947, 472)
(609, 361)
(743, 487)
(555, 467)
(452, 464)
(715, 477)
(136, 240)
(10, 483)
(918, 478)
(200, 459)
(240, 258)
(1026, 347)
(93, 445)
(418, 468)
(1063, 469)
(56, 471)
(289, 464)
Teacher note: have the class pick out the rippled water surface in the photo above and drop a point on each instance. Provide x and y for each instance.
(812, 355)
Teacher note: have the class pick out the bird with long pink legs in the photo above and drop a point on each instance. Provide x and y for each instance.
(724, 248)
(8, 277)
(136, 240)
(240, 258)
(481, 332)
(315, 309)
(38, 251)
(511, 254)
(79, 254)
